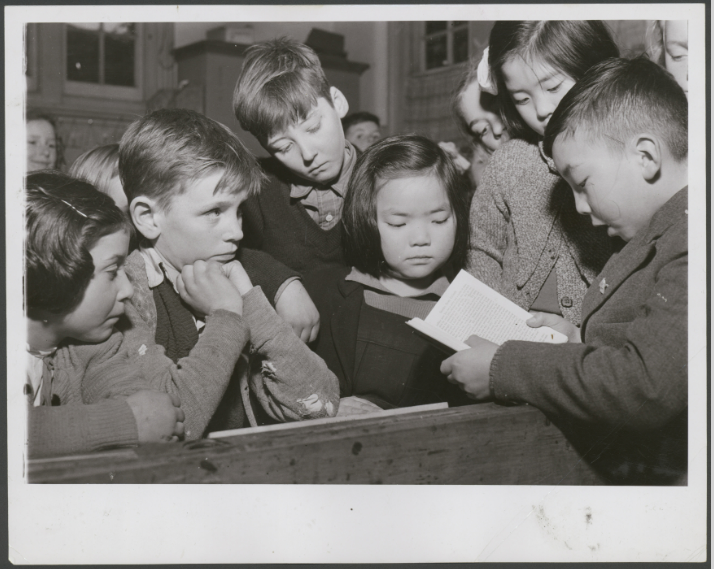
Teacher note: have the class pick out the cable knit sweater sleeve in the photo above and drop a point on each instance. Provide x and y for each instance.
(489, 222)
(290, 381)
(54, 431)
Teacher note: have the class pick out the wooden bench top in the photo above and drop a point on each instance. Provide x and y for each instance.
(476, 444)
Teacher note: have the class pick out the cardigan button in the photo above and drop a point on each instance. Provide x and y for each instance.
(566, 302)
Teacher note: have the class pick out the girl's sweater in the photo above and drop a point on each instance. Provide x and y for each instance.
(288, 380)
(524, 224)
(88, 412)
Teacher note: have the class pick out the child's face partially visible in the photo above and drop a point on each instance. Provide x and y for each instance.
(314, 149)
(416, 226)
(676, 51)
(535, 89)
(608, 186)
(103, 301)
(200, 225)
(484, 124)
(41, 145)
(363, 135)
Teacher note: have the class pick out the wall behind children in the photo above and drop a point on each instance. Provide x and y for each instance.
(391, 81)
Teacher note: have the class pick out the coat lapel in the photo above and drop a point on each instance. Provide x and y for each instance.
(632, 256)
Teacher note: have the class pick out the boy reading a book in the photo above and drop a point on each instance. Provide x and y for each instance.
(283, 98)
(619, 390)
(228, 356)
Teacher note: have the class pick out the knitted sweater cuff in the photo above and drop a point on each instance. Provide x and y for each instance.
(81, 428)
(498, 380)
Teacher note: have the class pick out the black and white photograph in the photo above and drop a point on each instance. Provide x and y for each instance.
(291, 285)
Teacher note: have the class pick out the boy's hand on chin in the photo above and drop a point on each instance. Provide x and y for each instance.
(205, 288)
(159, 417)
(557, 323)
(469, 369)
(237, 275)
(297, 309)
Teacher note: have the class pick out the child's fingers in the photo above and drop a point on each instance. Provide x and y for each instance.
(447, 366)
(181, 287)
(536, 320)
(313, 333)
(175, 400)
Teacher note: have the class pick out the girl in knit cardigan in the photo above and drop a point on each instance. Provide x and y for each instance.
(83, 393)
(527, 240)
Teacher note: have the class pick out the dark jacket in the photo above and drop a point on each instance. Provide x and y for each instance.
(625, 387)
(396, 369)
(275, 223)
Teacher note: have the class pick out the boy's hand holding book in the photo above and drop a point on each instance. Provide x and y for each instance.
(205, 288)
(469, 369)
(557, 323)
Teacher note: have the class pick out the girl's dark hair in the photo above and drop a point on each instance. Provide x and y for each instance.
(392, 158)
(64, 219)
(38, 115)
(569, 46)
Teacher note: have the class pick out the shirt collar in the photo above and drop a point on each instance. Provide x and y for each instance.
(40, 353)
(438, 287)
(299, 191)
(154, 261)
(547, 159)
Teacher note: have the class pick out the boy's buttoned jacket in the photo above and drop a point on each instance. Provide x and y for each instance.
(628, 378)
(524, 224)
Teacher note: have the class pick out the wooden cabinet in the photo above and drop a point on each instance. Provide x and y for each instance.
(212, 69)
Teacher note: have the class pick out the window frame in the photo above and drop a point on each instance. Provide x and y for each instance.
(87, 89)
(449, 34)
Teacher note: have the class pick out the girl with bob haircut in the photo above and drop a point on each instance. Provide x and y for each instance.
(83, 394)
(527, 240)
(405, 234)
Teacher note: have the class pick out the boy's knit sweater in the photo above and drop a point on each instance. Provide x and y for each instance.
(524, 223)
(279, 225)
(89, 382)
(288, 380)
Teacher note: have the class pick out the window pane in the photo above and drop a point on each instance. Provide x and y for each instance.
(461, 45)
(119, 54)
(436, 55)
(432, 27)
(82, 53)
(458, 24)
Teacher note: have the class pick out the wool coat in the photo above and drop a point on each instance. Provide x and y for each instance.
(624, 388)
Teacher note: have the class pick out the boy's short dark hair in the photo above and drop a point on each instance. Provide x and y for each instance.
(358, 118)
(162, 151)
(64, 219)
(619, 98)
(391, 158)
(279, 85)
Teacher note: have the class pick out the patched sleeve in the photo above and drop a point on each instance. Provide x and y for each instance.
(290, 381)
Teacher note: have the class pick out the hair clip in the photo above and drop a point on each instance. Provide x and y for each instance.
(483, 75)
(74, 208)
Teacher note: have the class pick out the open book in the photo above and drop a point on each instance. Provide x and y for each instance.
(470, 307)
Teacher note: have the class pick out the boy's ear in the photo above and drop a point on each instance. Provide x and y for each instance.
(648, 152)
(144, 214)
(339, 102)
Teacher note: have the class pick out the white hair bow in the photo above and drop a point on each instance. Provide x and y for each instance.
(483, 75)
